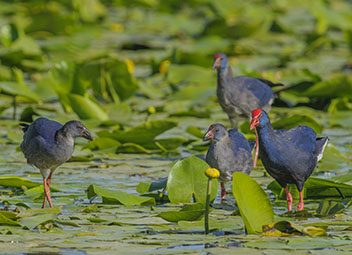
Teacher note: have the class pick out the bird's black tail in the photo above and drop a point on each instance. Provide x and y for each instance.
(24, 126)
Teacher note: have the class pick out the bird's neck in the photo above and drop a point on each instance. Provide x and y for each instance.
(265, 134)
(64, 138)
(224, 75)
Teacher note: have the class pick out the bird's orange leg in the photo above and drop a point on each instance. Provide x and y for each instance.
(47, 193)
(49, 180)
(44, 198)
(289, 199)
(223, 191)
(300, 206)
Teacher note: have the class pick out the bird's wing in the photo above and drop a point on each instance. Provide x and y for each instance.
(302, 137)
(270, 83)
(238, 141)
(45, 128)
(260, 90)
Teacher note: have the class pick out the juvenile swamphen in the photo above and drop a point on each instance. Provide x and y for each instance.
(289, 156)
(228, 152)
(238, 96)
(47, 144)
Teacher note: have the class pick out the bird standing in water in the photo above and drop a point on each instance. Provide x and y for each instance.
(289, 156)
(238, 96)
(47, 144)
(228, 152)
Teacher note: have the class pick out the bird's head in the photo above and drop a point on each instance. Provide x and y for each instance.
(259, 118)
(76, 129)
(215, 132)
(220, 61)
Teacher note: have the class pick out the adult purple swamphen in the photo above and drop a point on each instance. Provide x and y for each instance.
(47, 144)
(238, 96)
(228, 152)
(289, 156)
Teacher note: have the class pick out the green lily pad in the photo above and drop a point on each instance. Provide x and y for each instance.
(118, 197)
(255, 208)
(18, 89)
(187, 179)
(86, 108)
(8, 218)
(144, 134)
(17, 182)
(192, 212)
(144, 187)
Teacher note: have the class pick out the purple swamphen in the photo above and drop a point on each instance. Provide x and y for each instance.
(238, 96)
(289, 156)
(47, 144)
(228, 152)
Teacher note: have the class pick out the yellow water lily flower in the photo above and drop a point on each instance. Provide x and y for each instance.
(212, 173)
(164, 66)
(130, 65)
(151, 109)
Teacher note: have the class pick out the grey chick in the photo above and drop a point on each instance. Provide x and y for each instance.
(229, 152)
(48, 144)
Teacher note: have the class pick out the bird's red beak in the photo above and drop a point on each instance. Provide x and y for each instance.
(209, 135)
(217, 63)
(254, 123)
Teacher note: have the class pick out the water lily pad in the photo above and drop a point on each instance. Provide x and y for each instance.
(285, 228)
(86, 108)
(8, 218)
(255, 208)
(144, 134)
(118, 197)
(187, 179)
(17, 182)
(144, 187)
(191, 212)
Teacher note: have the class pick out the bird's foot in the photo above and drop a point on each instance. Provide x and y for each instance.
(300, 206)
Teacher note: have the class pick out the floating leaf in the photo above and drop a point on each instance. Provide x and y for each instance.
(8, 218)
(118, 197)
(86, 108)
(18, 89)
(132, 148)
(144, 134)
(187, 179)
(102, 143)
(191, 212)
(17, 182)
(256, 210)
(34, 221)
(286, 228)
(144, 187)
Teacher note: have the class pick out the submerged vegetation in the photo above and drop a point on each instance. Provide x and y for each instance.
(138, 74)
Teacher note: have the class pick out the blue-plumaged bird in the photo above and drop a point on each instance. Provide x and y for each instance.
(289, 156)
(229, 151)
(47, 144)
(238, 96)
